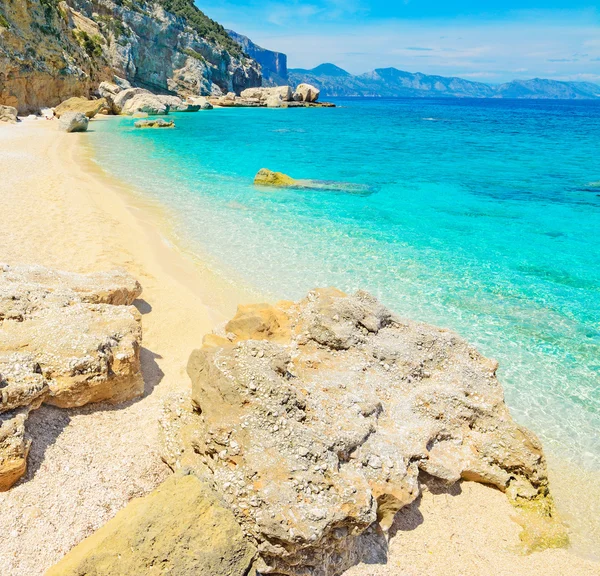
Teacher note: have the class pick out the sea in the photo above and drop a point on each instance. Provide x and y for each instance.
(482, 216)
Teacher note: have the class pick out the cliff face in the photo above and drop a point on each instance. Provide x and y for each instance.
(50, 51)
(273, 64)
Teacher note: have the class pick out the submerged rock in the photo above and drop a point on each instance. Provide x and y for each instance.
(181, 529)
(67, 340)
(266, 177)
(8, 114)
(314, 420)
(159, 123)
(73, 122)
(306, 93)
(88, 107)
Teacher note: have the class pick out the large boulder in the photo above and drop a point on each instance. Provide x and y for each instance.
(274, 101)
(134, 100)
(67, 340)
(314, 420)
(73, 122)
(306, 93)
(181, 529)
(88, 107)
(176, 104)
(8, 114)
(263, 94)
(266, 177)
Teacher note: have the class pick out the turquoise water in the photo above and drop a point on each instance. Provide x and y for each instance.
(481, 216)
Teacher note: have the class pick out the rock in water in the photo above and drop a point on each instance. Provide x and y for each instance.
(181, 529)
(88, 107)
(306, 93)
(266, 177)
(73, 122)
(314, 420)
(159, 123)
(67, 340)
(8, 114)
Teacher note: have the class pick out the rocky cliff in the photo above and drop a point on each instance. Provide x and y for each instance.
(273, 64)
(393, 83)
(52, 50)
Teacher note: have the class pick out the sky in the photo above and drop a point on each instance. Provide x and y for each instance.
(489, 41)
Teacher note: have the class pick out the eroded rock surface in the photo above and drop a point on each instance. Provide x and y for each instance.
(181, 529)
(67, 340)
(88, 107)
(73, 122)
(314, 420)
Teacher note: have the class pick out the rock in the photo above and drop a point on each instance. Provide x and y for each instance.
(263, 94)
(314, 420)
(73, 122)
(306, 93)
(181, 528)
(88, 107)
(266, 177)
(133, 100)
(67, 340)
(8, 114)
(108, 90)
(176, 104)
(159, 123)
(274, 101)
(200, 101)
(140, 115)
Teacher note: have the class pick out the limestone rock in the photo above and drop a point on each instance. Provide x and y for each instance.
(88, 107)
(181, 528)
(134, 100)
(73, 122)
(176, 104)
(266, 177)
(8, 114)
(263, 94)
(108, 89)
(14, 447)
(159, 123)
(306, 93)
(314, 420)
(274, 101)
(67, 340)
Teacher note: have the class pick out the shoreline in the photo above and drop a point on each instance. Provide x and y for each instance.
(62, 210)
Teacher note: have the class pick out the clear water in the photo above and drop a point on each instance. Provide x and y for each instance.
(484, 217)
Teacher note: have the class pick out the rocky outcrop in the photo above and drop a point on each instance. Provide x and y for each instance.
(67, 340)
(306, 93)
(8, 114)
(135, 100)
(88, 107)
(51, 50)
(160, 123)
(314, 420)
(181, 528)
(201, 102)
(266, 177)
(73, 122)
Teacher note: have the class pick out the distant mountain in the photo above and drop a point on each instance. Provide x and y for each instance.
(391, 82)
(273, 64)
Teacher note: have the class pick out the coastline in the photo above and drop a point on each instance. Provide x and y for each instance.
(61, 210)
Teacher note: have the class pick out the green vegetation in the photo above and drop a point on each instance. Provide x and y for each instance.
(202, 24)
(194, 54)
(113, 25)
(91, 44)
(4, 22)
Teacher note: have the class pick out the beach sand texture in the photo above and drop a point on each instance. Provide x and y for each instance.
(86, 464)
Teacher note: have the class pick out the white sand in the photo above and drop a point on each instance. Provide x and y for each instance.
(85, 464)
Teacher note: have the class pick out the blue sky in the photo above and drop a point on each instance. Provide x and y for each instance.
(492, 41)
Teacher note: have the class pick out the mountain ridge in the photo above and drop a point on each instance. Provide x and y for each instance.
(391, 82)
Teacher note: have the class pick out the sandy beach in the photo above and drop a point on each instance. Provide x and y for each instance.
(60, 211)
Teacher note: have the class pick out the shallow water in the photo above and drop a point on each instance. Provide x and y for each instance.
(482, 216)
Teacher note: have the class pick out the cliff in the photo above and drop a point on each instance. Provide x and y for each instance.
(273, 64)
(394, 83)
(52, 50)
